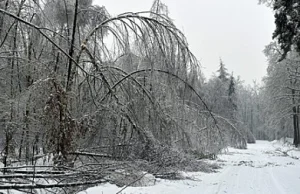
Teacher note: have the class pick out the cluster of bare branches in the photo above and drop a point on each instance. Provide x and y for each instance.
(80, 88)
(281, 94)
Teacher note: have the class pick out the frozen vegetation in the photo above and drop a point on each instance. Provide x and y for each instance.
(95, 103)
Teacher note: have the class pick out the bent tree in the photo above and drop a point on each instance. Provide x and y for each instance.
(84, 91)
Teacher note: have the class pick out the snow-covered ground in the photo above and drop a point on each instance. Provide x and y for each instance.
(265, 167)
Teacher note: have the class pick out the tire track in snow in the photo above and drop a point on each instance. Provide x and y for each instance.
(279, 187)
(249, 173)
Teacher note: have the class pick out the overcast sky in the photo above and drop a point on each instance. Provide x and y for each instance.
(235, 30)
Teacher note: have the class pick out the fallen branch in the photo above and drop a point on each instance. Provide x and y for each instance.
(169, 176)
(34, 172)
(44, 176)
(91, 154)
(48, 186)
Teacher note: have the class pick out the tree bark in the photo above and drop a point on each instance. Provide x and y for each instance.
(295, 121)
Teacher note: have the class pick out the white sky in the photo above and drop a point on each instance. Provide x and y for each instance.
(235, 30)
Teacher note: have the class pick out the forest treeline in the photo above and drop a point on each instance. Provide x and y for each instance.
(84, 94)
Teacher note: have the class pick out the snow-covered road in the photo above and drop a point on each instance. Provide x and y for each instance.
(264, 168)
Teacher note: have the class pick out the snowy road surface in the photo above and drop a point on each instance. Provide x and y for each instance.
(263, 168)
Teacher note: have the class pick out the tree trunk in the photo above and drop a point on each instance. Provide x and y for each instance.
(296, 128)
(295, 121)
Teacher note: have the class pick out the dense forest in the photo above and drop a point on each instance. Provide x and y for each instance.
(84, 94)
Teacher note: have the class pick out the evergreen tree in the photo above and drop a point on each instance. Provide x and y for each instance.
(232, 93)
(287, 14)
(223, 75)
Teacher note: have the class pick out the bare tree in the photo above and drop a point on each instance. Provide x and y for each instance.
(90, 92)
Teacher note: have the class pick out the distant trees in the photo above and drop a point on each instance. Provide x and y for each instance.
(251, 111)
(222, 97)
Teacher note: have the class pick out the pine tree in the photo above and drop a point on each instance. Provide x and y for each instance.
(232, 93)
(223, 75)
(287, 14)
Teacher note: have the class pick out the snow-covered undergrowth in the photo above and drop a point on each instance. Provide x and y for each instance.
(286, 148)
(43, 178)
(265, 167)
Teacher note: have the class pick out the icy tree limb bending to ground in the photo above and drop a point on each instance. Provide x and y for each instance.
(86, 85)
